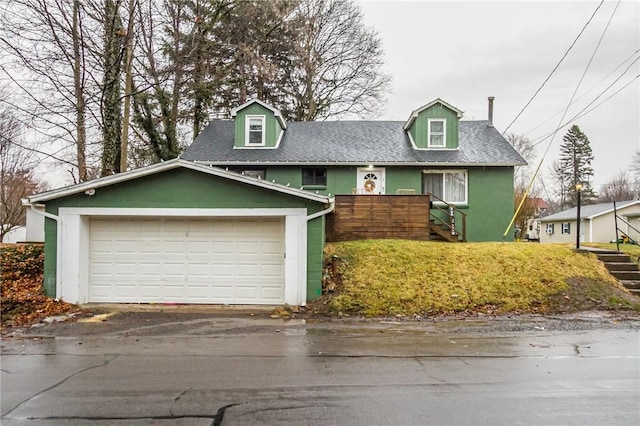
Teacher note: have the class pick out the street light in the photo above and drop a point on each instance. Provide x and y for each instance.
(578, 189)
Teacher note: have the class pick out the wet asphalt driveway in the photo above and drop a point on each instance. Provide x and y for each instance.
(203, 368)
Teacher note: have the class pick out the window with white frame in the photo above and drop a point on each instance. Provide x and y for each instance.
(566, 228)
(254, 134)
(437, 133)
(449, 185)
(550, 228)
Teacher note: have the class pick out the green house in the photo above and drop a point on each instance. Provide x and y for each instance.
(241, 218)
(466, 165)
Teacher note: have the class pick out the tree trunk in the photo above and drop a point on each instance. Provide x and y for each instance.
(124, 141)
(81, 131)
(111, 112)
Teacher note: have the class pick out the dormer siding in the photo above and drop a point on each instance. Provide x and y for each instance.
(419, 129)
(256, 113)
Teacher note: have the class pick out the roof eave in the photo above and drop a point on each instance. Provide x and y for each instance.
(275, 111)
(223, 163)
(168, 165)
(417, 111)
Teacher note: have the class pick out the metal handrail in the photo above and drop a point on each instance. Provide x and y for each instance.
(450, 211)
(615, 220)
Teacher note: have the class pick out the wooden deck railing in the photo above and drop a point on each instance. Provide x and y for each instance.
(450, 218)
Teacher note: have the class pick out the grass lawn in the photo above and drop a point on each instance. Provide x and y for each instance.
(399, 277)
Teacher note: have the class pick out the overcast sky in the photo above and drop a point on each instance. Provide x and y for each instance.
(464, 52)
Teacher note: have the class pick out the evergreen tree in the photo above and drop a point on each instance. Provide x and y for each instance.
(575, 168)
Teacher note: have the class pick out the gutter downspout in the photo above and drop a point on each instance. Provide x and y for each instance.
(58, 220)
(332, 206)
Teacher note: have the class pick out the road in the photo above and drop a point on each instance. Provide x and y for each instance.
(261, 371)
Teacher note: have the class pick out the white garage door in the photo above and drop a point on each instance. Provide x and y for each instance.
(238, 261)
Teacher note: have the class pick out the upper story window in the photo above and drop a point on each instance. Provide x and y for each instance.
(314, 177)
(255, 130)
(449, 185)
(437, 133)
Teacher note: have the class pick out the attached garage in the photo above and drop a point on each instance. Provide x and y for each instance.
(182, 260)
(180, 232)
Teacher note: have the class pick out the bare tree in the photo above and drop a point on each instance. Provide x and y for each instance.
(523, 174)
(16, 177)
(338, 66)
(560, 182)
(619, 188)
(634, 168)
(49, 62)
(522, 177)
(113, 56)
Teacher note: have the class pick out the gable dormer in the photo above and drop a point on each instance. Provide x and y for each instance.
(434, 126)
(257, 125)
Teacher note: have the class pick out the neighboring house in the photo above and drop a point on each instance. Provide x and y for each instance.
(466, 163)
(241, 218)
(597, 223)
(16, 235)
(540, 207)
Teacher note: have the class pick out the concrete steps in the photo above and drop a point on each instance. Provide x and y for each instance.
(622, 268)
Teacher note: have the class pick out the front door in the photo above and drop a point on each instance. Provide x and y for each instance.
(370, 181)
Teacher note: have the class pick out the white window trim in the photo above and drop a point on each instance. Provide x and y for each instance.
(444, 133)
(466, 184)
(247, 131)
(550, 227)
(562, 228)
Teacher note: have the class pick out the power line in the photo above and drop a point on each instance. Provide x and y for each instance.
(555, 68)
(584, 110)
(535, 174)
(586, 92)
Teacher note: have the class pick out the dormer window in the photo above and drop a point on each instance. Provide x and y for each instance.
(437, 134)
(255, 134)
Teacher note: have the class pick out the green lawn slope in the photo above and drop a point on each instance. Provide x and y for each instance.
(398, 277)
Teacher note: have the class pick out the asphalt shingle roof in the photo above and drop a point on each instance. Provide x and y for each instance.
(586, 211)
(354, 142)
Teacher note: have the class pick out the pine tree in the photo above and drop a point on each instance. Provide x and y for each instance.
(575, 168)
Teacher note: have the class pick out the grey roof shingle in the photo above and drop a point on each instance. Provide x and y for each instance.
(354, 142)
(586, 212)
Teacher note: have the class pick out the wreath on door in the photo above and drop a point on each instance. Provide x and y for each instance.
(370, 184)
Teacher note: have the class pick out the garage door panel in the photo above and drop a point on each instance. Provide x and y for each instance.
(222, 260)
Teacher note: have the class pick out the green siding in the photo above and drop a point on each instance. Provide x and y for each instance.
(490, 192)
(273, 127)
(490, 203)
(169, 190)
(419, 129)
(340, 180)
(315, 232)
(403, 178)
